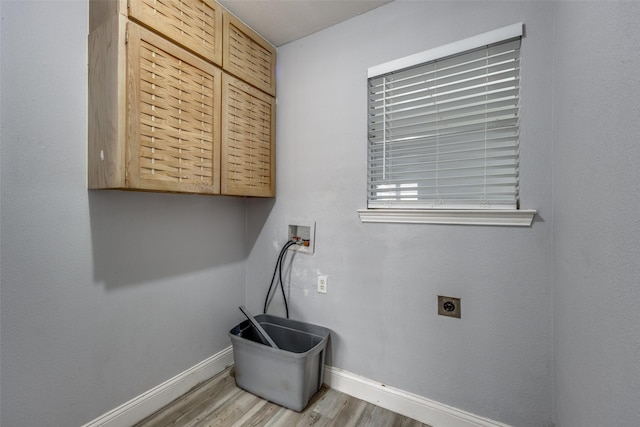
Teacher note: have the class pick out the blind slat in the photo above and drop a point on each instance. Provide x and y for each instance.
(450, 89)
(440, 83)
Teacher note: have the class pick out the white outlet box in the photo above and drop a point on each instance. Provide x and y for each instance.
(304, 232)
(322, 284)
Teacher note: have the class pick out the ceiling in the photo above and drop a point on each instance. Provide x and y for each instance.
(282, 21)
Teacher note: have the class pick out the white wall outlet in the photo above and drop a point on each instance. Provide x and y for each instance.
(322, 284)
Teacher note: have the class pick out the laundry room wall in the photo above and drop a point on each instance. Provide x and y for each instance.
(383, 279)
(105, 295)
(596, 184)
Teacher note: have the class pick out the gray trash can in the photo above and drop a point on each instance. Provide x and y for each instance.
(288, 376)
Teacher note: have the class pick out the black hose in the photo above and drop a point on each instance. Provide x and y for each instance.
(278, 266)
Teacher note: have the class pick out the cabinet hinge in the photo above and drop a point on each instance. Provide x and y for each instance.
(126, 37)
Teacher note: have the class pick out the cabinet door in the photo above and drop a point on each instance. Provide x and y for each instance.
(248, 56)
(248, 140)
(193, 24)
(173, 129)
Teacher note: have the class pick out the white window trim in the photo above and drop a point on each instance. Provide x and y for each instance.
(502, 217)
(499, 217)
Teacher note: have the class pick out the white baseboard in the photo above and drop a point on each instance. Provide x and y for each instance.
(411, 405)
(151, 401)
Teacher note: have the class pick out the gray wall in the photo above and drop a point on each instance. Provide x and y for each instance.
(383, 279)
(104, 294)
(596, 187)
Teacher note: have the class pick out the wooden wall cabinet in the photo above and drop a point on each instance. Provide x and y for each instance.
(163, 116)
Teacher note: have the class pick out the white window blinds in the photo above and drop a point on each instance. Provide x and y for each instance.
(444, 133)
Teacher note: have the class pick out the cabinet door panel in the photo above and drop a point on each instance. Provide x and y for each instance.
(248, 141)
(174, 117)
(248, 56)
(193, 24)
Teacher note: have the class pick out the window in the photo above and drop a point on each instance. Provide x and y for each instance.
(444, 128)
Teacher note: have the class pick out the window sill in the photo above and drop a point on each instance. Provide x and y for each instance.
(507, 217)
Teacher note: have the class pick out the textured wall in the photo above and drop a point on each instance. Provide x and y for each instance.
(383, 279)
(596, 186)
(104, 294)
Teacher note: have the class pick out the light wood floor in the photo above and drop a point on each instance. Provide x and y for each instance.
(219, 402)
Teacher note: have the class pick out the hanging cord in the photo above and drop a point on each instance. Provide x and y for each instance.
(279, 262)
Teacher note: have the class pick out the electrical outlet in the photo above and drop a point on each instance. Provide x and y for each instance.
(322, 284)
(449, 306)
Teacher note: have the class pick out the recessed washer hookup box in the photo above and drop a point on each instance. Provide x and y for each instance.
(289, 375)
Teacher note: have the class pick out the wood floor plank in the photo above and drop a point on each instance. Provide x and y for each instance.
(350, 413)
(331, 403)
(192, 403)
(246, 418)
(384, 416)
(205, 408)
(218, 402)
(230, 411)
(365, 416)
(283, 418)
(406, 422)
(313, 415)
(266, 412)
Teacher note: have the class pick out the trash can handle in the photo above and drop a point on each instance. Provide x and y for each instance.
(264, 336)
